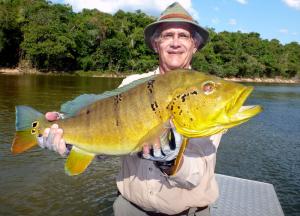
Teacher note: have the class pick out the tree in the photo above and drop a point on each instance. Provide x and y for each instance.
(53, 37)
(10, 34)
(48, 42)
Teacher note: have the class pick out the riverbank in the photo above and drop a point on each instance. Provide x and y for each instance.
(18, 71)
(264, 80)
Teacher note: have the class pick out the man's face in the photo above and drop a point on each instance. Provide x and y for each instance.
(175, 46)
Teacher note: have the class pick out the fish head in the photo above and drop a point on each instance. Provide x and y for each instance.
(206, 105)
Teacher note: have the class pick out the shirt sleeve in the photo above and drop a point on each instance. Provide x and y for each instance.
(127, 80)
(196, 162)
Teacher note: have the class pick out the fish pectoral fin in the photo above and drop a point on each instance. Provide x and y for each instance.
(154, 133)
(78, 161)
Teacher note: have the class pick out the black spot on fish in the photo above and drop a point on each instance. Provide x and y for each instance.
(118, 98)
(87, 112)
(191, 119)
(150, 82)
(194, 92)
(150, 85)
(172, 107)
(180, 112)
(153, 106)
(178, 107)
(183, 97)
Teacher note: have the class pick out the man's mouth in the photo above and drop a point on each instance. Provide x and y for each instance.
(174, 53)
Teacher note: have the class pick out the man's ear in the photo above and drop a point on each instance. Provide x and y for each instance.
(194, 50)
(154, 46)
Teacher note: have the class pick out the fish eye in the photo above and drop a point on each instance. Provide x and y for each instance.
(35, 124)
(208, 87)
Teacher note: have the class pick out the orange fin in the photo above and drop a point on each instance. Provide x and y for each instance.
(78, 161)
(23, 141)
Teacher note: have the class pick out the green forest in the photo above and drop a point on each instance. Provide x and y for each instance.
(51, 37)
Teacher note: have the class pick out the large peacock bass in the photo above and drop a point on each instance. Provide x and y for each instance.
(120, 121)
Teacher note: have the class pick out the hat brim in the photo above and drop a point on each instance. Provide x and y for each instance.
(150, 29)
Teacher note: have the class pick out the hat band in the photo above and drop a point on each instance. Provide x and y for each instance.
(176, 15)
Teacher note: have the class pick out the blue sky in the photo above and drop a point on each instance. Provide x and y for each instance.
(279, 19)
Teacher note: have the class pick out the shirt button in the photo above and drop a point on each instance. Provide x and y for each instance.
(151, 193)
(150, 169)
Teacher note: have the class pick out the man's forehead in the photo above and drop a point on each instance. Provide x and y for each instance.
(175, 26)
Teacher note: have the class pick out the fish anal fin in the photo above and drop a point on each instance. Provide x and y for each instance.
(78, 161)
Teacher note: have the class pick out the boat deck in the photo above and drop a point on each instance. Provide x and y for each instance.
(242, 197)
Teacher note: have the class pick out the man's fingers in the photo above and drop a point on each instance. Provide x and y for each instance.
(46, 132)
(164, 142)
(62, 149)
(45, 137)
(49, 140)
(146, 151)
(156, 148)
(58, 133)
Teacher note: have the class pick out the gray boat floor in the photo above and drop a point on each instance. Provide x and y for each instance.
(245, 197)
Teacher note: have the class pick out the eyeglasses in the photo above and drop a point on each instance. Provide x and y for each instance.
(170, 36)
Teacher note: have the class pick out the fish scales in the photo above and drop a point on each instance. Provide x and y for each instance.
(122, 126)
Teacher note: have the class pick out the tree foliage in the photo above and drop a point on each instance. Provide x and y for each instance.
(53, 37)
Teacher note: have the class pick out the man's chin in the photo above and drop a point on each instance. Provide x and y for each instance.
(176, 66)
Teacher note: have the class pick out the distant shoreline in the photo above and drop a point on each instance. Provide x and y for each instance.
(17, 71)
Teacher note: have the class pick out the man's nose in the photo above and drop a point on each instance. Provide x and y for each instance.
(175, 42)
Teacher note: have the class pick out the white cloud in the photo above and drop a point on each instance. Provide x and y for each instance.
(216, 9)
(232, 22)
(112, 6)
(293, 3)
(284, 31)
(215, 21)
(242, 1)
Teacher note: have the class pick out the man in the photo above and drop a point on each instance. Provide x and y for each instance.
(145, 188)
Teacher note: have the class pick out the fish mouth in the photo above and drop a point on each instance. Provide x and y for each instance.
(235, 114)
(239, 113)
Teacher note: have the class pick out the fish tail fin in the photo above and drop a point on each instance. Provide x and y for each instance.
(27, 129)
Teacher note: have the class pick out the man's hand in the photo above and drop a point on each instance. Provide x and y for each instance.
(53, 137)
(164, 148)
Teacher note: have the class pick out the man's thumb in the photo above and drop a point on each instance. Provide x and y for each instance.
(52, 116)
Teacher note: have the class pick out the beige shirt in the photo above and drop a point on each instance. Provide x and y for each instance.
(194, 185)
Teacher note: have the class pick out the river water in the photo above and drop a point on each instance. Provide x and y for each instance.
(267, 148)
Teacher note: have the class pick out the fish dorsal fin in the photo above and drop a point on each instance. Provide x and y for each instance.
(71, 108)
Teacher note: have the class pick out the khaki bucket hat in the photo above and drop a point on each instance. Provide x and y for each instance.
(175, 13)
